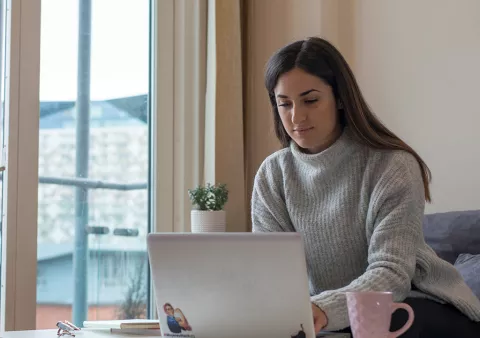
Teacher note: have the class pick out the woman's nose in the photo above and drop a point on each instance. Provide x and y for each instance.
(298, 115)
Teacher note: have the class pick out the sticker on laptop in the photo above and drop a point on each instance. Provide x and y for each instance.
(299, 334)
(177, 323)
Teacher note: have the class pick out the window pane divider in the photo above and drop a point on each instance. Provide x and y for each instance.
(19, 237)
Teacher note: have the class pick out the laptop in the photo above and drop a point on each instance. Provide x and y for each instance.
(209, 285)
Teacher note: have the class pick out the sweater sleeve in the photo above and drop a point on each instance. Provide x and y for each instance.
(394, 231)
(268, 208)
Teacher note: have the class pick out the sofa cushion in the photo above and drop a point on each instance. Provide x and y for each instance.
(469, 267)
(453, 233)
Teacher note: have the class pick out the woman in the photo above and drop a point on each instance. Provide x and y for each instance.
(357, 193)
(175, 319)
(172, 322)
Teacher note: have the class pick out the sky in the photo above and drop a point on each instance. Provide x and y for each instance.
(119, 43)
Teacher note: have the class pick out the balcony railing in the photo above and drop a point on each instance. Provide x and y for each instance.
(91, 184)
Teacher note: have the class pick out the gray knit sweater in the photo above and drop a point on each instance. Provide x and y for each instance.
(360, 211)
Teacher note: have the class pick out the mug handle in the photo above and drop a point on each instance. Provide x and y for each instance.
(411, 316)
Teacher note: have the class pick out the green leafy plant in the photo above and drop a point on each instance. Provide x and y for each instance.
(209, 197)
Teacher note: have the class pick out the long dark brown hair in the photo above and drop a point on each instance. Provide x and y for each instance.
(318, 57)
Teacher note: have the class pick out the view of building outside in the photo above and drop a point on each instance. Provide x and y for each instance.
(119, 154)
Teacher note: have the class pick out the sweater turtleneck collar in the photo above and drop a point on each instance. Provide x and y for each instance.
(329, 157)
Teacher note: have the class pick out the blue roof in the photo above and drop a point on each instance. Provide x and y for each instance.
(46, 251)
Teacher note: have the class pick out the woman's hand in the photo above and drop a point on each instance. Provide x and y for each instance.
(319, 318)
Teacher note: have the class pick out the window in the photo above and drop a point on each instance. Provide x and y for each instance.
(93, 193)
(71, 226)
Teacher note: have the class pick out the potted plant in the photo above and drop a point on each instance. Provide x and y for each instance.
(208, 203)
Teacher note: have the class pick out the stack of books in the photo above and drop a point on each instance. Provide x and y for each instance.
(144, 327)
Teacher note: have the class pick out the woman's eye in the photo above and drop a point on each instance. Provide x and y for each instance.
(284, 104)
(311, 101)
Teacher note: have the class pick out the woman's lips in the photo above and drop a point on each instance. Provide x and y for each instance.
(303, 130)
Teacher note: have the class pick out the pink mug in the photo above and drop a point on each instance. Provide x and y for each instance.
(370, 314)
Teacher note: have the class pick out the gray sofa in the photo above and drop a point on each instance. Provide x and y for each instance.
(455, 237)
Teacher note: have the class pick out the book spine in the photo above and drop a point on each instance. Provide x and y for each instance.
(138, 332)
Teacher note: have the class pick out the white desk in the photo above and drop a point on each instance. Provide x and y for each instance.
(78, 334)
(103, 334)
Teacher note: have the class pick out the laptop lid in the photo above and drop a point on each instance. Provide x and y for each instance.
(231, 285)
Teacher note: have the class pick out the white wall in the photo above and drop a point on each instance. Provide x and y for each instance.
(418, 63)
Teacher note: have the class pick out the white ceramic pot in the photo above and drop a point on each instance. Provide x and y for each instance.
(208, 221)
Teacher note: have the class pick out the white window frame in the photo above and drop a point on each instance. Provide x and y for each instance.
(162, 103)
(19, 237)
